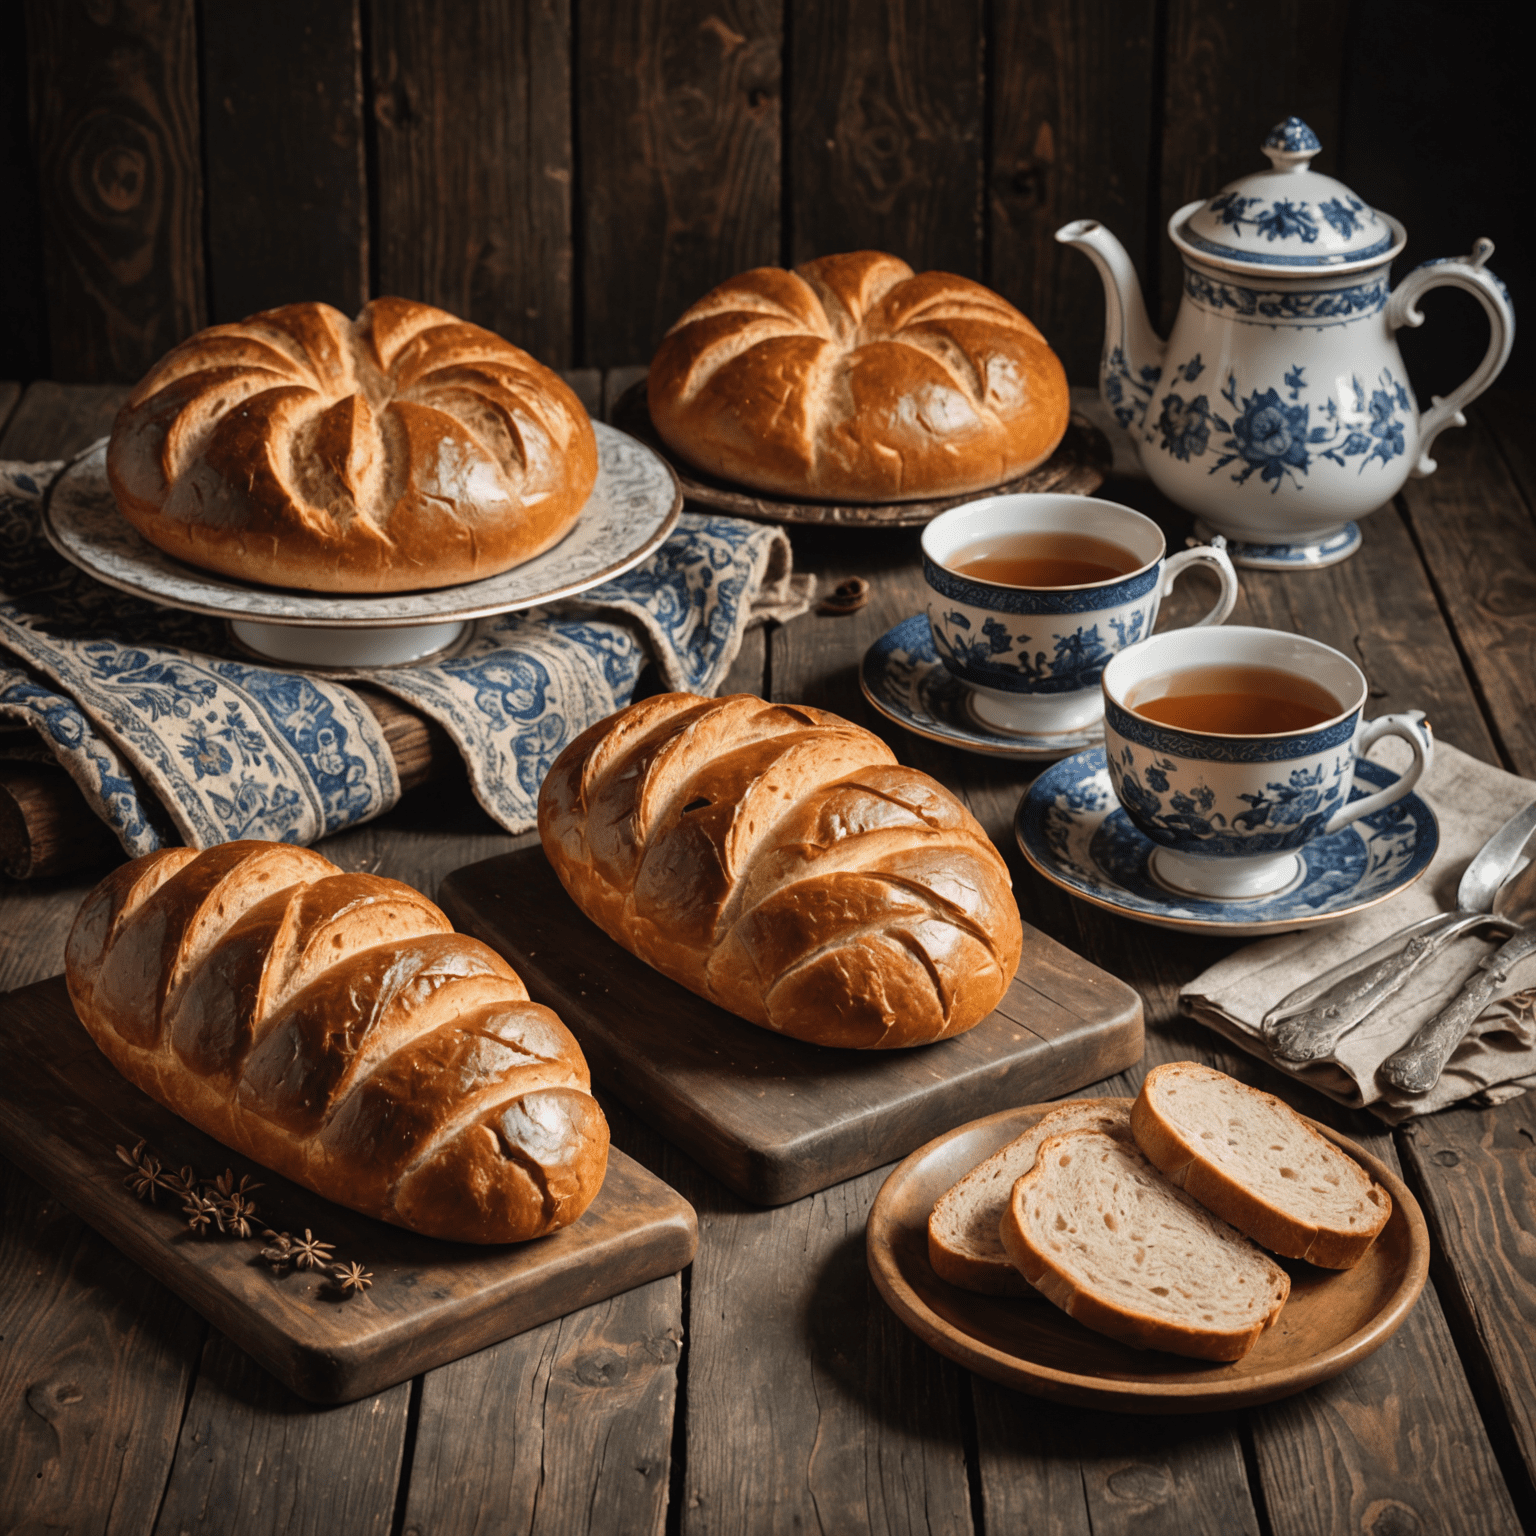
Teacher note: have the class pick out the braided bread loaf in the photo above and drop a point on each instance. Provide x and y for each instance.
(852, 379)
(335, 1028)
(404, 449)
(779, 861)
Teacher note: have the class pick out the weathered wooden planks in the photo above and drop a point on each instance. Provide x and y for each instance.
(679, 130)
(1070, 98)
(473, 121)
(566, 1428)
(286, 184)
(885, 131)
(115, 129)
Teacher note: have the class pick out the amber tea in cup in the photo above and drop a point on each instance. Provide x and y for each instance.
(1235, 701)
(1055, 559)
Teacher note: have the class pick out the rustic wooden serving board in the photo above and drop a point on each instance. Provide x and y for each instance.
(64, 1109)
(774, 1118)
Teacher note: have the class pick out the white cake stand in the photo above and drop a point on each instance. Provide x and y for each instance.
(633, 507)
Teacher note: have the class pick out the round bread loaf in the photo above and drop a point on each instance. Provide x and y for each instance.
(854, 379)
(401, 450)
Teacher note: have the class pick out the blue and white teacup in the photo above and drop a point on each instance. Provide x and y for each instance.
(1228, 812)
(1032, 657)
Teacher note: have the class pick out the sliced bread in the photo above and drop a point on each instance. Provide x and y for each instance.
(963, 1243)
(1102, 1234)
(1257, 1164)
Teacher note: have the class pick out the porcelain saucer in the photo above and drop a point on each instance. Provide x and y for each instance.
(1073, 831)
(634, 505)
(904, 679)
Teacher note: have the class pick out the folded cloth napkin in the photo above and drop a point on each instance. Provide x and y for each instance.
(174, 736)
(1496, 1061)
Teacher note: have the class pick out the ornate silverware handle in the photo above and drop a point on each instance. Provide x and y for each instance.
(1307, 1036)
(1417, 1067)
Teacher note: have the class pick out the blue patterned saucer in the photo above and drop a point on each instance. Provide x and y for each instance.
(904, 679)
(1072, 830)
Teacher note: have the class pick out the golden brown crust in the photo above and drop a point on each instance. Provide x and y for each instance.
(402, 450)
(777, 860)
(854, 379)
(333, 1027)
(1297, 1233)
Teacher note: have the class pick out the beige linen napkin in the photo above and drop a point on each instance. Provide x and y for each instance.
(1496, 1061)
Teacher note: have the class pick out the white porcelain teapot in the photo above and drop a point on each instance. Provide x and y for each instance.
(1279, 410)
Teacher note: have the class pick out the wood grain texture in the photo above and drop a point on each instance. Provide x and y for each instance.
(10, 395)
(252, 1457)
(886, 130)
(115, 132)
(678, 105)
(810, 1407)
(286, 188)
(474, 163)
(1076, 1472)
(1474, 1169)
(1479, 545)
(95, 1362)
(1070, 100)
(1506, 414)
(1231, 73)
(55, 421)
(43, 826)
(775, 1118)
(566, 1428)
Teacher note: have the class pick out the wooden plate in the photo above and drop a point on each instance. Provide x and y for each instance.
(1077, 468)
(1332, 1319)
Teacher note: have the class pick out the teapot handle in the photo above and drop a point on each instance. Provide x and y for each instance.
(1469, 273)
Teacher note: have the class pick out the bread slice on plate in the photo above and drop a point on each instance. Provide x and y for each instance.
(1100, 1232)
(1255, 1162)
(963, 1242)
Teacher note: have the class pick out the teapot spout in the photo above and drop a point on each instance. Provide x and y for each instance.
(1132, 360)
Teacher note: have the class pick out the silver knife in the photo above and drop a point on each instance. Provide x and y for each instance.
(1309, 1022)
(1417, 1067)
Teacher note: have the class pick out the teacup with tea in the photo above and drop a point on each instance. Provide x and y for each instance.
(1233, 749)
(1031, 595)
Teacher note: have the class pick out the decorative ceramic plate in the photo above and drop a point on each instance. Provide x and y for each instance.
(1077, 468)
(1332, 1318)
(1074, 832)
(633, 507)
(904, 679)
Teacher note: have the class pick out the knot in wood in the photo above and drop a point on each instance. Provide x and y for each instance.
(848, 598)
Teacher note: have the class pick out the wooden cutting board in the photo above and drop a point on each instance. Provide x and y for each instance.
(64, 1109)
(774, 1118)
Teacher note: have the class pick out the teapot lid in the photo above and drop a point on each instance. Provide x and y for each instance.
(1288, 218)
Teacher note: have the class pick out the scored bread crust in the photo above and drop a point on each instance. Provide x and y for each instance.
(1256, 1180)
(777, 860)
(335, 1028)
(403, 450)
(964, 1245)
(852, 378)
(1039, 1236)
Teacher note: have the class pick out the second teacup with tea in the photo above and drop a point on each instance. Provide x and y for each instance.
(1233, 749)
(1031, 595)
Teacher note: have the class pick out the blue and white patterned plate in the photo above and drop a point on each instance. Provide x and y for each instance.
(1074, 832)
(633, 507)
(904, 679)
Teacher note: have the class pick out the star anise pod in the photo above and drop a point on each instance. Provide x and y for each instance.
(201, 1212)
(182, 1183)
(227, 1187)
(310, 1252)
(235, 1215)
(145, 1175)
(352, 1279)
(279, 1250)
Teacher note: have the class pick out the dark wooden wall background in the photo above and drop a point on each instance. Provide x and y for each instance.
(573, 173)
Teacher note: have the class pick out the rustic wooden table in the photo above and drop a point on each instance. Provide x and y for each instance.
(768, 1387)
